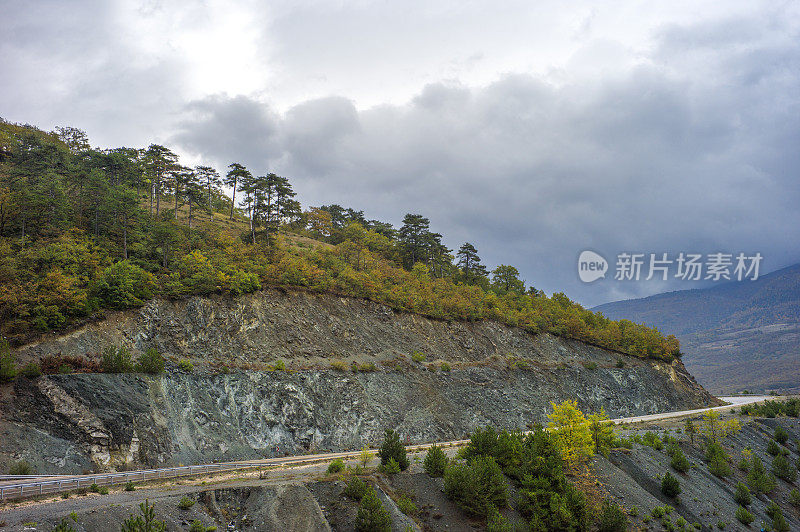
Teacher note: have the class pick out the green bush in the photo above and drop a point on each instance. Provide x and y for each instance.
(744, 516)
(21, 467)
(589, 365)
(794, 498)
(392, 448)
(64, 526)
(280, 365)
(123, 285)
(407, 506)
(759, 479)
(117, 360)
(742, 495)
(445, 366)
(620, 362)
(417, 356)
(185, 365)
(670, 485)
(391, 467)
(372, 516)
(355, 489)
(146, 522)
(185, 503)
(336, 466)
(717, 460)
(151, 362)
(679, 462)
(611, 518)
(130, 486)
(8, 365)
(94, 488)
(652, 440)
(435, 461)
(103, 490)
(198, 526)
(781, 436)
(784, 469)
(31, 370)
(773, 448)
(477, 486)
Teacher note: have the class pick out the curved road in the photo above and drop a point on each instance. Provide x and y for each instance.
(39, 485)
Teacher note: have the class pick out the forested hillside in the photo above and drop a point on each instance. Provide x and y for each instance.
(83, 230)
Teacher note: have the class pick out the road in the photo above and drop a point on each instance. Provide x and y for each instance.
(38, 485)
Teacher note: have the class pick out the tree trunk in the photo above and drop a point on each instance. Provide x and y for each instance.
(125, 237)
(233, 199)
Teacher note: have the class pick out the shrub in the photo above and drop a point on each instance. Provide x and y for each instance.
(365, 456)
(31, 370)
(477, 486)
(670, 485)
(652, 440)
(151, 362)
(21, 467)
(794, 498)
(417, 356)
(759, 480)
(620, 362)
(280, 365)
(117, 360)
(589, 365)
(498, 523)
(130, 486)
(679, 462)
(185, 365)
(94, 488)
(781, 436)
(185, 503)
(64, 526)
(8, 366)
(335, 466)
(391, 467)
(435, 461)
(339, 365)
(742, 495)
(198, 526)
(717, 460)
(445, 366)
(372, 516)
(782, 468)
(355, 489)
(779, 523)
(612, 518)
(146, 522)
(744, 516)
(393, 449)
(407, 506)
(773, 448)
(123, 285)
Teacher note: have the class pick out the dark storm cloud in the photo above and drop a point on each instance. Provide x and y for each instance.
(654, 160)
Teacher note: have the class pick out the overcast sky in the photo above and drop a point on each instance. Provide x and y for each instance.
(534, 130)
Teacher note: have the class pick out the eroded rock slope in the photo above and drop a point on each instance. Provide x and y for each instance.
(499, 375)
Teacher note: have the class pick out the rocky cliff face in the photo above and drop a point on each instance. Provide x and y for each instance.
(500, 376)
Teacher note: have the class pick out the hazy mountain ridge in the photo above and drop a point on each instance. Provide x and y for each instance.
(735, 336)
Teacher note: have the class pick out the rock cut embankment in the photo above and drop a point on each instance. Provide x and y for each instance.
(499, 375)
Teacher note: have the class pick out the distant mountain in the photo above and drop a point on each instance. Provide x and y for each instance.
(734, 336)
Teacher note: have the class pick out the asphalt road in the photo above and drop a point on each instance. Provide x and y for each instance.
(55, 484)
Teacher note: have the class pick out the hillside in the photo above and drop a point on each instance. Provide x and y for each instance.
(734, 336)
(84, 231)
(302, 371)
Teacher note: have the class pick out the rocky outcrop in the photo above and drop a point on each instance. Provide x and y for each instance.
(499, 375)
